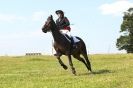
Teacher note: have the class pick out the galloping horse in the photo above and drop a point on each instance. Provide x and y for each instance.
(63, 46)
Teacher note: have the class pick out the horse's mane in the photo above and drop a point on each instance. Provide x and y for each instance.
(53, 22)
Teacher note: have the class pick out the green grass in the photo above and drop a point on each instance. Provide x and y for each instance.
(109, 71)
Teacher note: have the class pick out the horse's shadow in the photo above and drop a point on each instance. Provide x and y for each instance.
(103, 71)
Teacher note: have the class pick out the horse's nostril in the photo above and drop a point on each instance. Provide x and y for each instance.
(44, 31)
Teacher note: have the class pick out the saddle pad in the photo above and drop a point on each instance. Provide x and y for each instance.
(75, 39)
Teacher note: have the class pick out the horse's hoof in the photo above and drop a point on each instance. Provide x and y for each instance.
(74, 72)
(65, 67)
(90, 70)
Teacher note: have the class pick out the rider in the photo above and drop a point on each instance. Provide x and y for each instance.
(64, 25)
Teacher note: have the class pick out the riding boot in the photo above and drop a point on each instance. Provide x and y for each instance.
(73, 46)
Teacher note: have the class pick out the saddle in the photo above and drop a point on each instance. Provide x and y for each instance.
(72, 38)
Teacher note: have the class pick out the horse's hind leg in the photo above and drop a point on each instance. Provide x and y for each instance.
(87, 61)
(61, 63)
(82, 60)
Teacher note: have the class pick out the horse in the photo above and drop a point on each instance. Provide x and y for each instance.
(62, 45)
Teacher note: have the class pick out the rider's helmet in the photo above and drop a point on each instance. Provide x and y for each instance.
(59, 12)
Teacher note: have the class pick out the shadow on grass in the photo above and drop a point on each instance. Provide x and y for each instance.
(103, 71)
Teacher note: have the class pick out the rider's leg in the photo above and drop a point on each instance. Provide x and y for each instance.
(69, 34)
(72, 43)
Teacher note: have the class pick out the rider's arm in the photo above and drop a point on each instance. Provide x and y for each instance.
(66, 22)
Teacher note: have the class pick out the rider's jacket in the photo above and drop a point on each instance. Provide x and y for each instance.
(63, 23)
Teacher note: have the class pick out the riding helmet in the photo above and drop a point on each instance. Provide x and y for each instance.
(59, 12)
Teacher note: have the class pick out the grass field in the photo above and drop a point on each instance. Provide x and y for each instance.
(109, 71)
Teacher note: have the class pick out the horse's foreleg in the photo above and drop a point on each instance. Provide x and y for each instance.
(71, 64)
(61, 63)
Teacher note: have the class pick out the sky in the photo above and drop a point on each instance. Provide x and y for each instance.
(97, 22)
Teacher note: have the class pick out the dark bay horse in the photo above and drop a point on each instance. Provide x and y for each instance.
(63, 46)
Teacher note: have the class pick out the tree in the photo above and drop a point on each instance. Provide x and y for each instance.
(125, 41)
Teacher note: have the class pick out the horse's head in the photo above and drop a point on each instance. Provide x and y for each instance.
(48, 24)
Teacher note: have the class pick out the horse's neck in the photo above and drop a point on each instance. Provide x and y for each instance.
(56, 34)
(59, 38)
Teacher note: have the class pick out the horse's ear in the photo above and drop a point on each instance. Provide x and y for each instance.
(51, 16)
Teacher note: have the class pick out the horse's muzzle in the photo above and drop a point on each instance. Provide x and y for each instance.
(43, 30)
